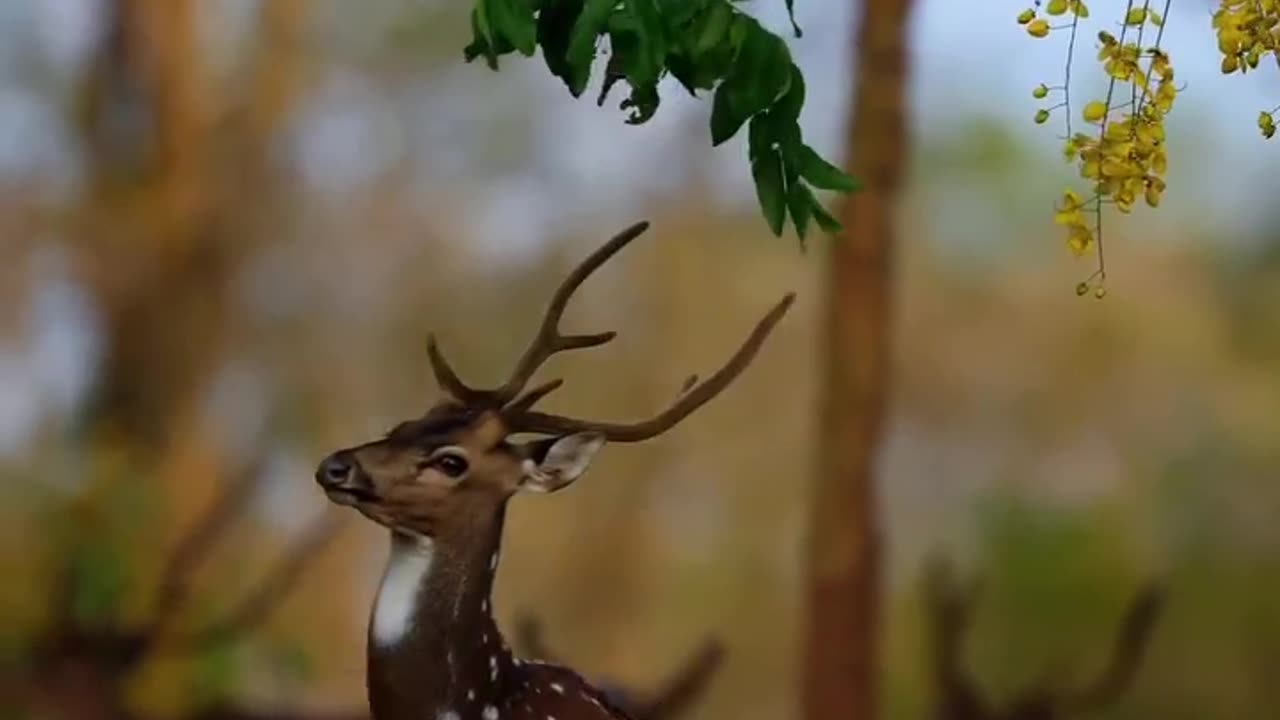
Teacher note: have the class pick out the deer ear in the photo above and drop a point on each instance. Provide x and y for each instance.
(556, 462)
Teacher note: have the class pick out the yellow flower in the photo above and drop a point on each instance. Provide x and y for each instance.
(1026, 16)
(1079, 239)
(1136, 16)
(1038, 28)
(1153, 190)
(1056, 7)
(1165, 95)
(1159, 162)
(1267, 124)
(1095, 111)
(1160, 65)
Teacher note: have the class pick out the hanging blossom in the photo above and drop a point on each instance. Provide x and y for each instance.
(1248, 31)
(1121, 157)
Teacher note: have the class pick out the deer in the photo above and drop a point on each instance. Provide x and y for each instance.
(440, 484)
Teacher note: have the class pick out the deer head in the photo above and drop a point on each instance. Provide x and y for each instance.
(440, 483)
(458, 460)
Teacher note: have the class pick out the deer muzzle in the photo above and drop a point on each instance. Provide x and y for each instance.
(343, 481)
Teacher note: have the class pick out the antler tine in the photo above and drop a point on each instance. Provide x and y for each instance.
(549, 341)
(531, 398)
(446, 378)
(696, 397)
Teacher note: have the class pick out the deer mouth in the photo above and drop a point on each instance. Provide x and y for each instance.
(349, 495)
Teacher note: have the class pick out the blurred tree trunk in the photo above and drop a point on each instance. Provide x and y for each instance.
(165, 224)
(178, 191)
(843, 649)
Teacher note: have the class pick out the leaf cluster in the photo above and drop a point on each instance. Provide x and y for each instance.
(706, 45)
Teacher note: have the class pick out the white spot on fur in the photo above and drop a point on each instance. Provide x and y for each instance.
(407, 570)
(558, 688)
(493, 561)
(447, 715)
(471, 694)
(484, 605)
(490, 712)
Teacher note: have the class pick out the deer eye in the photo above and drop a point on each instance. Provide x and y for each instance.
(450, 462)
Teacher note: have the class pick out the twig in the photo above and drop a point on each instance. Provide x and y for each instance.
(174, 586)
(260, 602)
(685, 686)
(1126, 655)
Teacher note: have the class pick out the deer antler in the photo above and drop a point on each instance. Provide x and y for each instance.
(695, 397)
(546, 343)
(517, 409)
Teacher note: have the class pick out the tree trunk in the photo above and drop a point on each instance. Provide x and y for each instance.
(842, 648)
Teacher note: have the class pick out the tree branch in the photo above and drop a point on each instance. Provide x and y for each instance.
(949, 604)
(685, 686)
(174, 586)
(1126, 654)
(259, 603)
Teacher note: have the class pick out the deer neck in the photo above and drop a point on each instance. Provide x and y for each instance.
(435, 652)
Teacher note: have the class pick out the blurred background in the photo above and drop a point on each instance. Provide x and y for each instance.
(226, 229)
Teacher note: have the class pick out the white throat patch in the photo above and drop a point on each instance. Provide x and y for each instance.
(407, 571)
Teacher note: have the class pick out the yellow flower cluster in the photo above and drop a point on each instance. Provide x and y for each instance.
(1123, 158)
(1247, 31)
(1038, 26)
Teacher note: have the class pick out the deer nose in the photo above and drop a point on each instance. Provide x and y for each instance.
(335, 471)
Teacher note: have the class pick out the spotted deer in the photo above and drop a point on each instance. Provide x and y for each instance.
(440, 484)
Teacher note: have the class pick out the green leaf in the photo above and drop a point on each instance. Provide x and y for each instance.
(710, 28)
(480, 21)
(766, 170)
(761, 74)
(653, 35)
(784, 117)
(581, 52)
(481, 43)
(514, 21)
(725, 119)
(555, 22)
(800, 204)
(683, 71)
(680, 12)
(829, 224)
(645, 41)
(758, 139)
(820, 173)
(787, 109)
(642, 104)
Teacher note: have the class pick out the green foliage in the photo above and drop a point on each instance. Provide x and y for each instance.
(706, 45)
(101, 578)
(217, 674)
